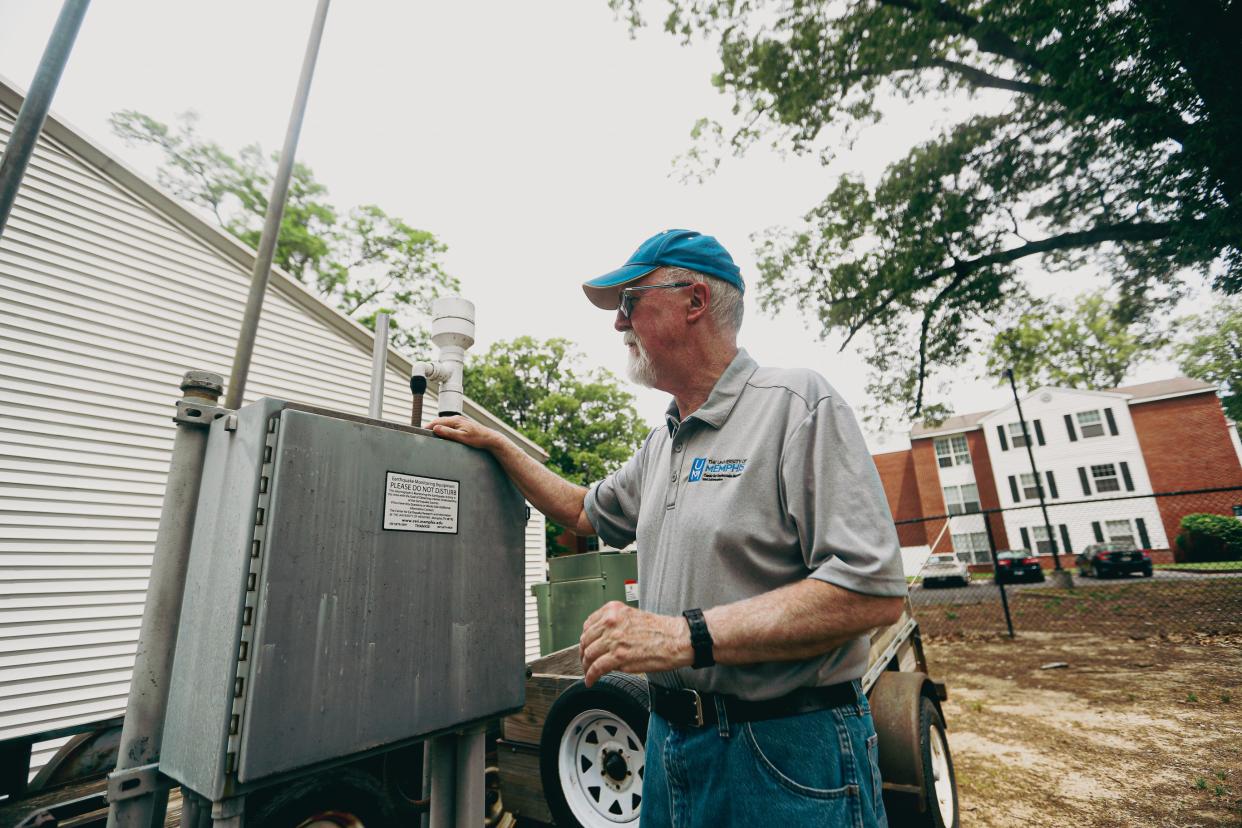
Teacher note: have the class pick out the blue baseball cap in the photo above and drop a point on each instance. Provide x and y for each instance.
(672, 248)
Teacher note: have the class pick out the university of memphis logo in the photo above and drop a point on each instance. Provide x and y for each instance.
(708, 468)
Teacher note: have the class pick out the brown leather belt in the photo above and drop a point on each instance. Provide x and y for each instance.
(690, 708)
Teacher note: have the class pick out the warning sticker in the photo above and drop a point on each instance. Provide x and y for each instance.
(420, 504)
(631, 590)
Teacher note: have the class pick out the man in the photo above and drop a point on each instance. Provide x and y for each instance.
(766, 552)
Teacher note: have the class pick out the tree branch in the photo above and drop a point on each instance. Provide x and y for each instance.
(1133, 231)
(978, 77)
(928, 312)
(987, 36)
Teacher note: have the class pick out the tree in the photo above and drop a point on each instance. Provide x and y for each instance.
(1212, 352)
(586, 421)
(1108, 134)
(1077, 345)
(364, 262)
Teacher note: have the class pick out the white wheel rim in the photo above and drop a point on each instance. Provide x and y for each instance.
(941, 775)
(595, 743)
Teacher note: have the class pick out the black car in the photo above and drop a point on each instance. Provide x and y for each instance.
(1104, 560)
(1014, 565)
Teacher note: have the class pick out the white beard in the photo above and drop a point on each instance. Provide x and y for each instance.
(639, 369)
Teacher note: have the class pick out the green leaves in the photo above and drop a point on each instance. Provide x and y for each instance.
(1087, 344)
(364, 262)
(585, 420)
(1211, 350)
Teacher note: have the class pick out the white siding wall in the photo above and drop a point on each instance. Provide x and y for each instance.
(1064, 457)
(536, 573)
(106, 302)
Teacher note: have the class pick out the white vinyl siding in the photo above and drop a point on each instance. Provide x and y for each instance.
(107, 302)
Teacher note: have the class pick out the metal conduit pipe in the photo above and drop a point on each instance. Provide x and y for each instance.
(443, 781)
(143, 731)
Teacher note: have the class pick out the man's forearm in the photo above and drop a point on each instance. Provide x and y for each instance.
(801, 620)
(798, 621)
(547, 491)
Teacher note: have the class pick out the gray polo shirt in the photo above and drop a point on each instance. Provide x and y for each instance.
(769, 482)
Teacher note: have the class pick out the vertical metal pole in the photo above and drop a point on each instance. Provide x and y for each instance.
(38, 101)
(471, 747)
(271, 223)
(379, 362)
(425, 791)
(987, 524)
(143, 731)
(443, 782)
(1039, 486)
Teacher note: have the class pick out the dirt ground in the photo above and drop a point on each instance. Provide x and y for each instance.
(1140, 729)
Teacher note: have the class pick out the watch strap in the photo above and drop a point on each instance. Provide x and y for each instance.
(700, 639)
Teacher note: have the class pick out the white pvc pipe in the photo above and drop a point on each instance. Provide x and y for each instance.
(452, 330)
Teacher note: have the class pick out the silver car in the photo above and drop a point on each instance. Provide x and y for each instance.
(945, 569)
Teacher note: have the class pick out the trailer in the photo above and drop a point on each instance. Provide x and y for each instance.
(573, 755)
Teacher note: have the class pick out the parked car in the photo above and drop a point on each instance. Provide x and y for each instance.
(945, 569)
(1104, 560)
(1014, 565)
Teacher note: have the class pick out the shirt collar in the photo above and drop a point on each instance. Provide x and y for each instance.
(724, 395)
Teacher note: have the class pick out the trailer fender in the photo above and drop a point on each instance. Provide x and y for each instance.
(908, 718)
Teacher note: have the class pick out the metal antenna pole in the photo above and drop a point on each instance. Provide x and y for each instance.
(271, 223)
(1039, 488)
(38, 101)
(379, 362)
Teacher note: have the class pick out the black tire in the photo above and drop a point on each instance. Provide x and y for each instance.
(615, 698)
(1147, 572)
(345, 791)
(904, 811)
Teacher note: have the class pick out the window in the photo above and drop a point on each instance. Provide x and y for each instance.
(972, 547)
(952, 451)
(1039, 534)
(1090, 424)
(1120, 531)
(592, 543)
(961, 499)
(1016, 438)
(1105, 477)
(1030, 490)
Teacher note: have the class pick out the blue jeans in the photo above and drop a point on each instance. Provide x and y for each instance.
(816, 768)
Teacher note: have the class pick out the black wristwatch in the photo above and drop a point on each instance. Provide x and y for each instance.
(700, 639)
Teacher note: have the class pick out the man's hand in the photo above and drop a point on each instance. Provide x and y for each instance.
(619, 637)
(466, 431)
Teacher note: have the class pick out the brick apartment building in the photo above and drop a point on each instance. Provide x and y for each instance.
(1098, 454)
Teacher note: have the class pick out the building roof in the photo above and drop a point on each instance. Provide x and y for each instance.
(958, 422)
(229, 247)
(1174, 386)
(1139, 393)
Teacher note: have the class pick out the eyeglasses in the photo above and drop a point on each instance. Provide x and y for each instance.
(630, 296)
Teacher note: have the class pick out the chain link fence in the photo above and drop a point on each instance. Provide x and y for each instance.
(1123, 563)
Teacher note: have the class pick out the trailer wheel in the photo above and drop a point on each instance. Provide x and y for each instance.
(340, 798)
(920, 788)
(591, 753)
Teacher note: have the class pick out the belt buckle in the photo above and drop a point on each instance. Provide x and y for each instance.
(698, 707)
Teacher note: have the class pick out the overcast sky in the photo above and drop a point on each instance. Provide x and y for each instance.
(535, 139)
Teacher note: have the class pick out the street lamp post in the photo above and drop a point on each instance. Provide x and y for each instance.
(1060, 577)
